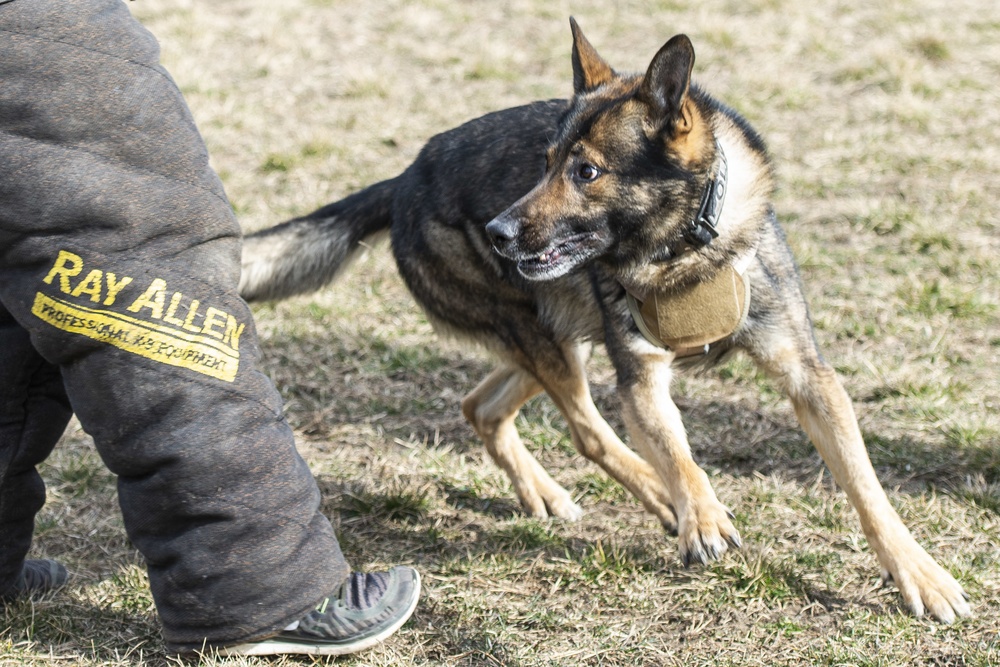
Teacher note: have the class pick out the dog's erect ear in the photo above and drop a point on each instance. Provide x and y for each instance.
(666, 84)
(589, 68)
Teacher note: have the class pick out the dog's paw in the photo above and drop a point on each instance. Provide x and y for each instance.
(664, 510)
(706, 532)
(554, 501)
(567, 510)
(669, 522)
(926, 587)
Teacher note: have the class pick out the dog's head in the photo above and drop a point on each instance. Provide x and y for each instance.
(624, 173)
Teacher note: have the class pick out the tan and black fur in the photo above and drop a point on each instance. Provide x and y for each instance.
(521, 230)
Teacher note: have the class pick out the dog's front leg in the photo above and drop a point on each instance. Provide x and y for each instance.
(654, 424)
(824, 410)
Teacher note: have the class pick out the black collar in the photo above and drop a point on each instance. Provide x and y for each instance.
(702, 229)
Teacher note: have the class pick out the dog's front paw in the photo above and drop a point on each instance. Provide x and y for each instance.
(925, 585)
(706, 532)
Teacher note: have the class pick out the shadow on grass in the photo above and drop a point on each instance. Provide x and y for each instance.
(413, 393)
(407, 391)
(498, 507)
(743, 440)
(507, 544)
(73, 633)
(72, 630)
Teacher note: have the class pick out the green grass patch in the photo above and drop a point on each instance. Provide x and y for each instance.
(987, 498)
(275, 163)
(392, 504)
(939, 296)
(600, 486)
(542, 427)
(395, 358)
(760, 577)
(526, 535)
(85, 475)
(606, 563)
(933, 49)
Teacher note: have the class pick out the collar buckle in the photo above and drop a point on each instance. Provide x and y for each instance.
(703, 228)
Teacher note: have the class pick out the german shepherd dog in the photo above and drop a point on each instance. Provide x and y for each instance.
(637, 214)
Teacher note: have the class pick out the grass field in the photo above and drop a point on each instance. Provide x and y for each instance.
(883, 119)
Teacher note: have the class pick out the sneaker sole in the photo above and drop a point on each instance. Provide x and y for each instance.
(277, 646)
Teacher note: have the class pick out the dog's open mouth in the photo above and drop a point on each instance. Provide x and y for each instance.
(559, 258)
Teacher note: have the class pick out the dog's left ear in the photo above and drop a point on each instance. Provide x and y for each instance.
(589, 69)
(665, 87)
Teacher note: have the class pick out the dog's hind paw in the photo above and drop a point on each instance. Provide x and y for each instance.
(706, 533)
(562, 507)
(569, 512)
(556, 503)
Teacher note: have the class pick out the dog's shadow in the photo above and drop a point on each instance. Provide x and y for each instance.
(371, 528)
(745, 440)
(412, 392)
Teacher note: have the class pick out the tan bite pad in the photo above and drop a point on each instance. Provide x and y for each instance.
(700, 315)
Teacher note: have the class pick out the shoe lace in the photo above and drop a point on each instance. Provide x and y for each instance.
(359, 591)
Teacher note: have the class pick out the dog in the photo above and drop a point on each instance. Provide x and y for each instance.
(636, 214)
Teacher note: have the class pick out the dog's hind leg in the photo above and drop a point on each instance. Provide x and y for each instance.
(824, 410)
(491, 408)
(595, 439)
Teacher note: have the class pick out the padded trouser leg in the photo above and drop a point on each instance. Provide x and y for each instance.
(119, 254)
(33, 413)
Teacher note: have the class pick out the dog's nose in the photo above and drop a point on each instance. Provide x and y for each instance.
(503, 229)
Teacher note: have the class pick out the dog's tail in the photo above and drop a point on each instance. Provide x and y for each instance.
(304, 254)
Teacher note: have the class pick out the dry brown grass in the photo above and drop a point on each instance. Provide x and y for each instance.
(884, 122)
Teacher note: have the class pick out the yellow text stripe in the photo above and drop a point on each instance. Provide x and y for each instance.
(196, 353)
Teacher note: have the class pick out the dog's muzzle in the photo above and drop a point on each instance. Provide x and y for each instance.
(503, 231)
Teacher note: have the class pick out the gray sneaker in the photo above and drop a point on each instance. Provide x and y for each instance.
(36, 577)
(367, 609)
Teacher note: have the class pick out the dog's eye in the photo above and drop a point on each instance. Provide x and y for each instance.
(587, 172)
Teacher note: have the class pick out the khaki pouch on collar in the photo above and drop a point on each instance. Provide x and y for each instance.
(700, 315)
